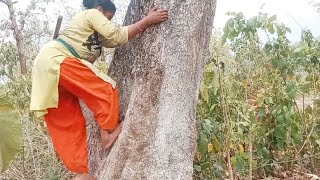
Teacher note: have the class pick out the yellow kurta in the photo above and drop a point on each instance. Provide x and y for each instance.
(86, 33)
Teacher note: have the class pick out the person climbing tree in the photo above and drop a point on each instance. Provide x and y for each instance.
(63, 72)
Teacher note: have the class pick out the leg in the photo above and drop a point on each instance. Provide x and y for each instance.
(97, 94)
(67, 128)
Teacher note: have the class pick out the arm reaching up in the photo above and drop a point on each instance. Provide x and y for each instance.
(155, 16)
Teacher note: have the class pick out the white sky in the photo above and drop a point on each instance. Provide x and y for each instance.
(296, 14)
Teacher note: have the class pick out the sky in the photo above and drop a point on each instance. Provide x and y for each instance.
(297, 14)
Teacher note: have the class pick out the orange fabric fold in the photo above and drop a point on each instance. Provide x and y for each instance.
(67, 125)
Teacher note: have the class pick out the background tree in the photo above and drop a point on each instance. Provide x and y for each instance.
(30, 27)
(316, 4)
(17, 30)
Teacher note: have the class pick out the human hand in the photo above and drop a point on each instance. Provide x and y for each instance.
(156, 16)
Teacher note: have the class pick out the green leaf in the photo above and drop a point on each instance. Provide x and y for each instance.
(253, 22)
(264, 152)
(270, 100)
(289, 30)
(297, 138)
(216, 144)
(240, 15)
(197, 168)
(231, 36)
(230, 24)
(240, 164)
(207, 127)
(288, 116)
(261, 112)
(292, 94)
(271, 29)
(280, 118)
(204, 92)
(234, 161)
(203, 144)
(280, 132)
(224, 39)
(212, 107)
(10, 133)
(226, 29)
(280, 145)
(236, 27)
(260, 102)
(274, 112)
(4, 102)
(205, 165)
(272, 18)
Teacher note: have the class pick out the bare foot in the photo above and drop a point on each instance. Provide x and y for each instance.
(108, 138)
(84, 177)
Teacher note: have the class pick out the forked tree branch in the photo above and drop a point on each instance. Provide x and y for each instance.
(4, 1)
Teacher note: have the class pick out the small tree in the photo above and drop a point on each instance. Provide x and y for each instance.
(17, 33)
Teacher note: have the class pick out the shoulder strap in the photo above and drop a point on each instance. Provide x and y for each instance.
(70, 48)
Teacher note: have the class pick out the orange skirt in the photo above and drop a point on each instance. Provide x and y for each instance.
(67, 125)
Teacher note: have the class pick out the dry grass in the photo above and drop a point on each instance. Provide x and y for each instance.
(37, 160)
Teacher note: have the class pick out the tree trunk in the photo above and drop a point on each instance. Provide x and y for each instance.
(159, 74)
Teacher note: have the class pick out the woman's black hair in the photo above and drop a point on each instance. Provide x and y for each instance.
(107, 5)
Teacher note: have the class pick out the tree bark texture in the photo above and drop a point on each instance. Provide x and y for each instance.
(158, 74)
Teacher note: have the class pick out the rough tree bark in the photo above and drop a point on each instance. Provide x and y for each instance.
(159, 74)
(17, 34)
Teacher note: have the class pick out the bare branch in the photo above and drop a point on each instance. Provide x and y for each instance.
(4, 1)
(16, 33)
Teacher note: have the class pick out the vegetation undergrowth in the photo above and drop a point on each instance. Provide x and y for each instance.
(259, 109)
